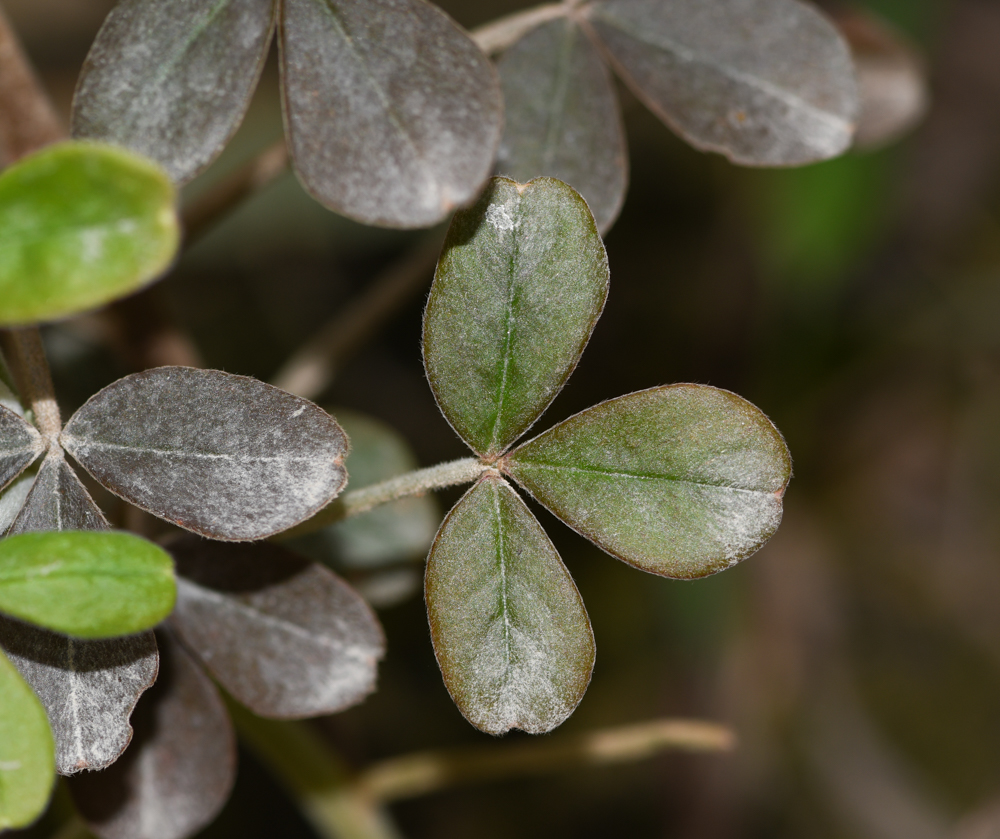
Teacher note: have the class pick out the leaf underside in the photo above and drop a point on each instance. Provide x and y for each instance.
(285, 636)
(510, 631)
(88, 688)
(178, 770)
(27, 768)
(57, 500)
(393, 114)
(562, 117)
(765, 82)
(20, 444)
(173, 80)
(681, 481)
(521, 283)
(222, 455)
(83, 224)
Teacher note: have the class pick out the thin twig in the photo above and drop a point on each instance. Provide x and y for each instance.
(419, 774)
(202, 214)
(357, 501)
(311, 370)
(27, 119)
(26, 358)
(499, 34)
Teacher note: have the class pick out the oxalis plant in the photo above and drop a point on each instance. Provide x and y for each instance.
(394, 116)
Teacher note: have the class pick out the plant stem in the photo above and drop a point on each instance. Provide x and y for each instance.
(202, 214)
(321, 784)
(27, 119)
(354, 502)
(499, 34)
(26, 358)
(311, 370)
(421, 773)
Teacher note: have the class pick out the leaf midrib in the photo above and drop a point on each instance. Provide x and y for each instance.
(613, 473)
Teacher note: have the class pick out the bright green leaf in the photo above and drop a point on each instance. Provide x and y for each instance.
(82, 224)
(521, 283)
(27, 752)
(87, 584)
(509, 628)
(682, 481)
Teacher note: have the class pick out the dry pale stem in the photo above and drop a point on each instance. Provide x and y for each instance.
(311, 370)
(421, 773)
(499, 34)
(26, 358)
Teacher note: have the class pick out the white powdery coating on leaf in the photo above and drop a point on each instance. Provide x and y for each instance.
(88, 688)
(500, 217)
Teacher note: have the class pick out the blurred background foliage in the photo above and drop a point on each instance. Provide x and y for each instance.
(857, 302)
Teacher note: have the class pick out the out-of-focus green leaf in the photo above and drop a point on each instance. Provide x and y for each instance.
(27, 752)
(509, 628)
(562, 117)
(520, 285)
(84, 583)
(83, 224)
(681, 481)
(765, 82)
(172, 80)
(393, 113)
(394, 532)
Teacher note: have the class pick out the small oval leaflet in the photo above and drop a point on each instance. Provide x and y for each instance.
(393, 114)
(562, 117)
(172, 80)
(510, 631)
(179, 769)
(57, 500)
(85, 583)
(20, 444)
(285, 636)
(88, 688)
(521, 283)
(681, 481)
(83, 224)
(222, 455)
(764, 82)
(27, 764)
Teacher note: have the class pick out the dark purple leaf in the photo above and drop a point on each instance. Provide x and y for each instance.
(88, 688)
(764, 82)
(180, 767)
(393, 113)
(562, 117)
(20, 444)
(222, 455)
(58, 501)
(172, 80)
(285, 636)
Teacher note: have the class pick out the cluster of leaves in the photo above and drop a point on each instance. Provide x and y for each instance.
(681, 481)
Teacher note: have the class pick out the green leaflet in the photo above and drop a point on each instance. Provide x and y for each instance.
(27, 752)
(84, 583)
(510, 631)
(682, 481)
(521, 283)
(83, 224)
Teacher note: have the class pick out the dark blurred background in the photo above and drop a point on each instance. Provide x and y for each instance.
(857, 302)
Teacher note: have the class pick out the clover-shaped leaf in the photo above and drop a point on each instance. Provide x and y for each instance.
(765, 82)
(172, 80)
(222, 455)
(20, 444)
(83, 224)
(681, 481)
(285, 636)
(178, 770)
(27, 762)
(562, 117)
(521, 283)
(509, 628)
